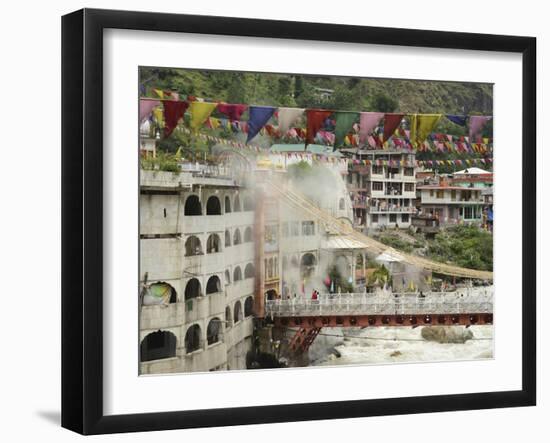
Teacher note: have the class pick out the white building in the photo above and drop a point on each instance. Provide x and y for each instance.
(383, 191)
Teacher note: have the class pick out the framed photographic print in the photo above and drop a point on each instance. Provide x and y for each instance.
(273, 221)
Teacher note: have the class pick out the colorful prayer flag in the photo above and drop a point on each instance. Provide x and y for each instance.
(315, 120)
(200, 111)
(391, 123)
(344, 122)
(258, 117)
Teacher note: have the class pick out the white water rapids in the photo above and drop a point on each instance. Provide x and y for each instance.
(384, 345)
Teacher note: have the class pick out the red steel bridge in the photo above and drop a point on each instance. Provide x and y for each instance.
(468, 306)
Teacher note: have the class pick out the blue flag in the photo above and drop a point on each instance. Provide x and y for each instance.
(457, 119)
(258, 117)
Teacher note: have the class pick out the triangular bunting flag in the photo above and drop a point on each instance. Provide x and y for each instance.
(315, 120)
(146, 107)
(391, 123)
(367, 122)
(173, 112)
(258, 117)
(421, 126)
(234, 112)
(287, 117)
(200, 111)
(477, 122)
(344, 122)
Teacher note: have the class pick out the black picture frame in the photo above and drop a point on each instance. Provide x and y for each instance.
(82, 219)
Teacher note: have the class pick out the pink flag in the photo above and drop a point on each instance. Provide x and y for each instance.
(476, 125)
(367, 122)
(146, 107)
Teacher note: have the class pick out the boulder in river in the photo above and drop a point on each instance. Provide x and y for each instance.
(447, 334)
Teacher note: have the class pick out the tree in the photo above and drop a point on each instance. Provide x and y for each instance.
(383, 103)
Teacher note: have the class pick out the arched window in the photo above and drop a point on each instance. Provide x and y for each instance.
(213, 206)
(248, 234)
(237, 274)
(193, 339)
(237, 312)
(227, 238)
(249, 271)
(157, 345)
(193, 246)
(237, 204)
(227, 204)
(192, 206)
(192, 289)
(228, 319)
(227, 277)
(307, 265)
(213, 285)
(159, 293)
(248, 305)
(213, 331)
(342, 204)
(237, 237)
(213, 244)
(248, 203)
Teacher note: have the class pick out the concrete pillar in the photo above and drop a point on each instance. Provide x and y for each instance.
(259, 266)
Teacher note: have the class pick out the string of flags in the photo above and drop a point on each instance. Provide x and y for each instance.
(332, 159)
(336, 128)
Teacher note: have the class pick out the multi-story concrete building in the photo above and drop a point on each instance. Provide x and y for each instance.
(213, 248)
(383, 191)
(456, 198)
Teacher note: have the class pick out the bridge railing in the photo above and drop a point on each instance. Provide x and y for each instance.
(466, 302)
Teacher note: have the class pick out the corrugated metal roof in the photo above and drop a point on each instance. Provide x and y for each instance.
(343, 242)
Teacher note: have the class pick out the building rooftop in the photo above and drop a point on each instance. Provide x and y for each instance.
(311, 149)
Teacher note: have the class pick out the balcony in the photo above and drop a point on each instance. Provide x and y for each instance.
(238, 332)
(239, 289)
(203, 307)
(191, 224)
(162, 316)
(392, 209)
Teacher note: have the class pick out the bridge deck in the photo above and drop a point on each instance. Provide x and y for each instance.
(467, 301)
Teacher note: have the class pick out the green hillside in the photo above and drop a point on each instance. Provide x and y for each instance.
(346, 93)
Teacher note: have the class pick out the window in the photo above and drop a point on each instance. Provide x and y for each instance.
(248, 234)
(192, 206)
(227, 204)
(193, 339)
(405, 218)
(393, 218)
(439, 193)
(213, 285)
(227, 238)
(376, 169)
(213, 244)
(409, 187)
(453, 194)
(158, 345)
(213, 206)
(308, 228)
(377, 186)
(249, 271)
(248, 305)
(192, 246)
(237, 274)
(374, 218)
(409, 172)
(431, 192)
(468, 212)
(213, 331)
(237, 237)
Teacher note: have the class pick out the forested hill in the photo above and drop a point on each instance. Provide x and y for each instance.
(342, 93)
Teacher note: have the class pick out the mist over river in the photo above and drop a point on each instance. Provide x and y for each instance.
(382, 345)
